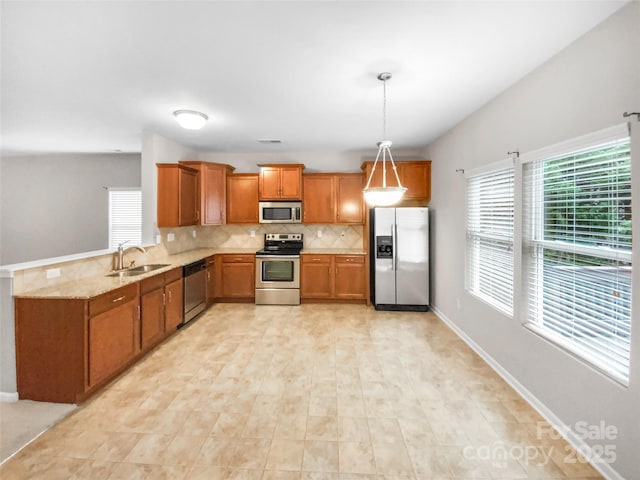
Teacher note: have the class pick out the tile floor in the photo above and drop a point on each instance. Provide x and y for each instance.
(306, 393)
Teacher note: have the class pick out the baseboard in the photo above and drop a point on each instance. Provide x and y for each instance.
(569, 435)
(8, 397)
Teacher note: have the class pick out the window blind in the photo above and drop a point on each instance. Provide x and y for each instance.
(577, 251)
(490, 237)
(125, 216)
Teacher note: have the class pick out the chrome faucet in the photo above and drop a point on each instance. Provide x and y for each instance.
(122, 250)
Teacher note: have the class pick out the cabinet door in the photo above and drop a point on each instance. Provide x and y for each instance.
(152, 320)
(188, 209)
(350, 199)
(349, 276)
(269, 183)
(213, 195)
(238, 277)
(319, 199)
(168, 195)
(173, 307)
(290, 183)
(242, 198)
(112, 340)
(416, 176)
(211, 284)
(316, 276)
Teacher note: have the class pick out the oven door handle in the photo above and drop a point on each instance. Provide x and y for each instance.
(276, 257)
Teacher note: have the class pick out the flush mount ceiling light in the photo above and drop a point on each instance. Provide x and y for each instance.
(190, 119)
(383, 195)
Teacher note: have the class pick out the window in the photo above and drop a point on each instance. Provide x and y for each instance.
(577, 248)
(125, 216)
(490, 237)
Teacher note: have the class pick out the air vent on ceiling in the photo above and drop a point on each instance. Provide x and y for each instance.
(269, 140)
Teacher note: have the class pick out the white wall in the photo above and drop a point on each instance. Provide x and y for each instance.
(583, 89)
(54, 205)
(329, 161)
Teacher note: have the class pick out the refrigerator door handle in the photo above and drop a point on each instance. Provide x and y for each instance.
(394, 245)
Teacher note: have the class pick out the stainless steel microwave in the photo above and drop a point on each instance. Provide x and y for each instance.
(280, 212)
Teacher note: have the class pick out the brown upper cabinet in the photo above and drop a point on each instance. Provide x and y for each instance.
(178, 202)
(242, 198)
(281, 182)
(212, 190)
(415, 175)
(333, 198)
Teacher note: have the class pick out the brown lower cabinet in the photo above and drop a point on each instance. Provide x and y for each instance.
(211, 280)
(332, 277)
(152, 303)
(66, 349)
(235, 277)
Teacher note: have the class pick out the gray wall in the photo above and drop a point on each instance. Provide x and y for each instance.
(54, 205)
(583, 89)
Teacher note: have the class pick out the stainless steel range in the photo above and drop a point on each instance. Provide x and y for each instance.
(278, 269)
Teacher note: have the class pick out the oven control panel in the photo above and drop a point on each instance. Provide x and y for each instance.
(283, 236)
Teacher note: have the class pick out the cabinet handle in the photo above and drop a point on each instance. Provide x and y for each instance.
(169, 296)
(164, 298)
(138, 312)
(116, 300)
(208, 275)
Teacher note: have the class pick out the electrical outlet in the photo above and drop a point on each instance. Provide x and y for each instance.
(193, 232)
(252, 233)
(171, 237)
(319, 233)
(53, 273)
(158, 238)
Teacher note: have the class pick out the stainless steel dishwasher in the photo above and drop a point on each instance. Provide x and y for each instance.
(195, 285)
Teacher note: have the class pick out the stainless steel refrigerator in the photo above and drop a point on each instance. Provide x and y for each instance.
(399, 240)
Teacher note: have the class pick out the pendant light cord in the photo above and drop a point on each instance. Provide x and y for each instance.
(384, 109)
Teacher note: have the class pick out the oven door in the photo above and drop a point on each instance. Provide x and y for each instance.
(278, 271)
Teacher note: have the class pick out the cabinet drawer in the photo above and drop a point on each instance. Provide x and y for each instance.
(173, 275)
(358, 259)
(112, 299)
(151, 283)
(238, 258)
(315, 258)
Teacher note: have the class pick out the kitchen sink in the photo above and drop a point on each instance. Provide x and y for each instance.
(131, 272)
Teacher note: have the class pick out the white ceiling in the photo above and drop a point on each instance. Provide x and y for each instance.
(92, 76)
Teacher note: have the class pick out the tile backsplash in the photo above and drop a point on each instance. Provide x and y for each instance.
(222, 236)
(252, 236)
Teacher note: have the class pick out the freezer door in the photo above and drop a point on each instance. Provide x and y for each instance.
(412, 254)
(385, 281)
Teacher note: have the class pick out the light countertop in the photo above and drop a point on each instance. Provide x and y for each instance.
(93, 286)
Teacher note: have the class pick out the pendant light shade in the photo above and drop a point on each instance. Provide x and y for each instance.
(383, 196)
(190, 119)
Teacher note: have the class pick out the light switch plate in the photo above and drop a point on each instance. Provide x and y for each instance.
(252, 233)
(171, 237)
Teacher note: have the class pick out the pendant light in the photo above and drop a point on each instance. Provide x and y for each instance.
(383, 195)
